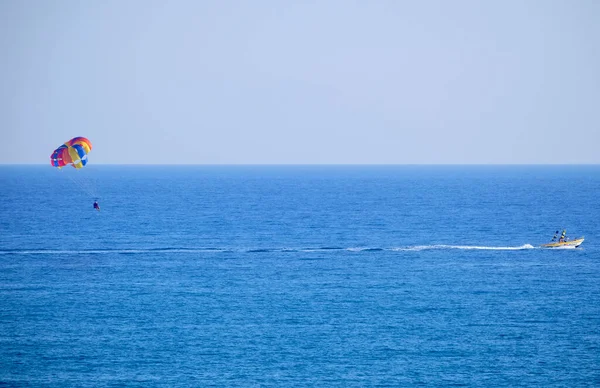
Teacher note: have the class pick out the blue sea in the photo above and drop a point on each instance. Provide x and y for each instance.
(299, 276)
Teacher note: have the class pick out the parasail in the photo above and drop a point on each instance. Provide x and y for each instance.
(73, 152)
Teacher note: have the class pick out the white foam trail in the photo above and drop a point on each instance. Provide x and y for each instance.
(264, 250)
(104, 251)
(464, 247)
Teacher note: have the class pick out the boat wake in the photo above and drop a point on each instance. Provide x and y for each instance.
(259, 250)
(464, 247)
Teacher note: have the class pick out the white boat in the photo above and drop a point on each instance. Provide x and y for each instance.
(567, 243)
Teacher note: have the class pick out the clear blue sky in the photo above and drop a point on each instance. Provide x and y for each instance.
(514, 81)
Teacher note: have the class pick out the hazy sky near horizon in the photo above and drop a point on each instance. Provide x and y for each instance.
(514, 81)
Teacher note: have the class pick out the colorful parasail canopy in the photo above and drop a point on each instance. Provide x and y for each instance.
(73, 152)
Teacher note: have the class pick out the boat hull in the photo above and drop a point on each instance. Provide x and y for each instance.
(572, 243)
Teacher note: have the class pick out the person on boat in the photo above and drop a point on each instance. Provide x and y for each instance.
(96, 206)
(563, 236)
(555, 235)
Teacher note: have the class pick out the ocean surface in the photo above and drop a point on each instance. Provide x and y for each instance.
(299, 276)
